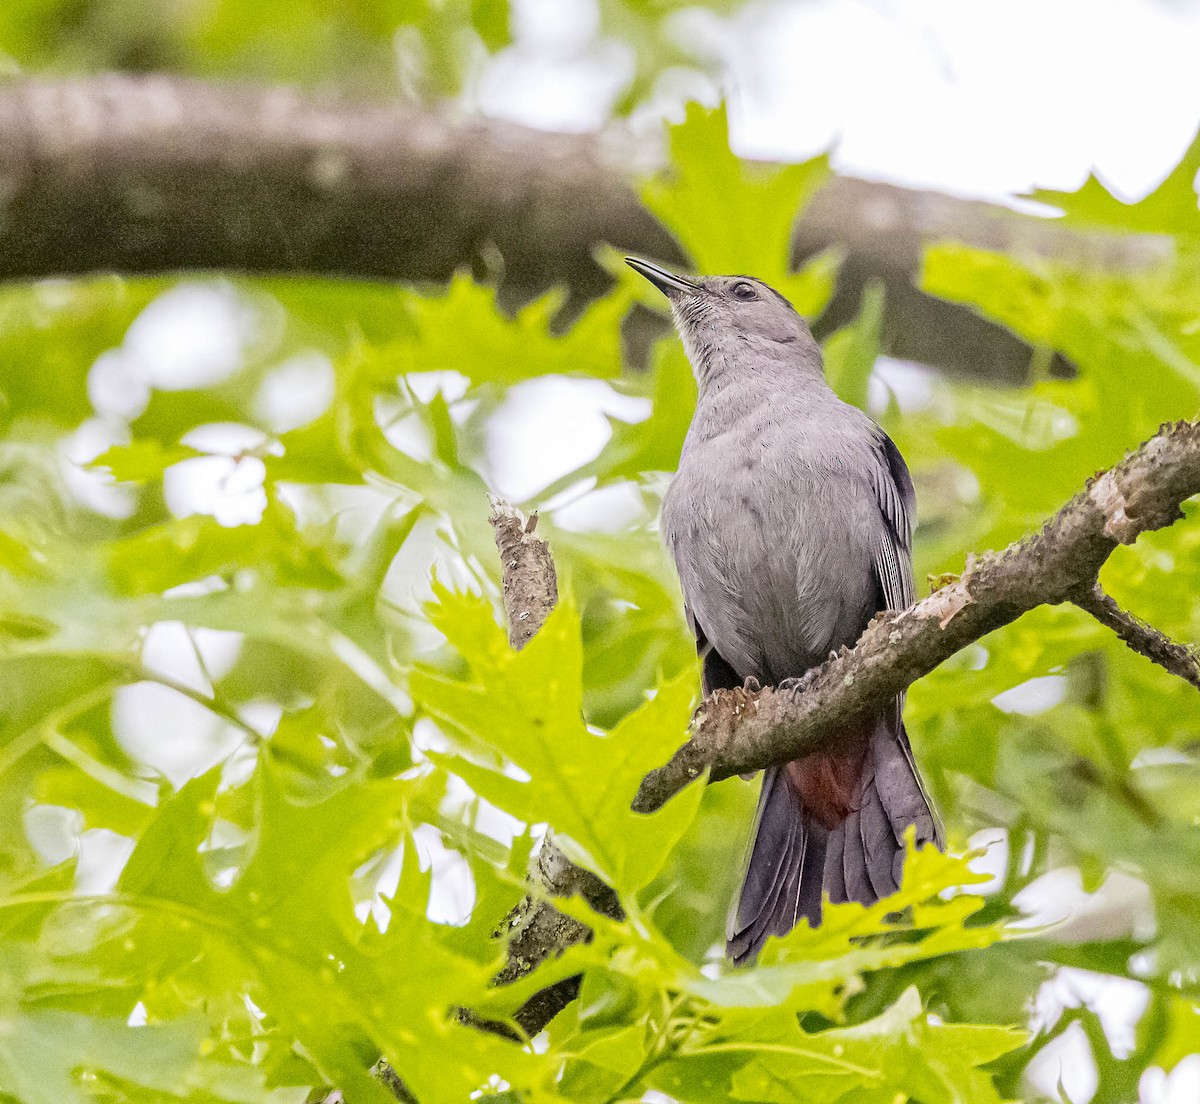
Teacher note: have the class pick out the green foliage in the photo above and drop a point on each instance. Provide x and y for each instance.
(527, 707)
(448, 333)
(731, 216)
(897, 1054)
(310, 42)
(1169, 209)
(273, 780)
(422, 50)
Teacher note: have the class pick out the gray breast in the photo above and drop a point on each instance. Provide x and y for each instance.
(772, 542)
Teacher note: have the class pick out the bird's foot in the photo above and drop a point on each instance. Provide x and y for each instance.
(751, 685)
(796, 686)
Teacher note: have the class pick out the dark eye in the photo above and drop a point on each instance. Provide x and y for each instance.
(744, 291)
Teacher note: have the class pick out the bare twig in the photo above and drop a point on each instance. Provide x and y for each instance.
(153, 174)
(1145, 639)
(738, 731)
(537, 930)
(527, 571)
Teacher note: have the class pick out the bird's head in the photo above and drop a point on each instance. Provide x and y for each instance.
(727, 322)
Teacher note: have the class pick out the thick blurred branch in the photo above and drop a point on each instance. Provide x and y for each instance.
(738, 731)
(157, 174)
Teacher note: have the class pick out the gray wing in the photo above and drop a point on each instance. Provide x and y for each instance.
(898, 503)
(716, 673)
(897, 781)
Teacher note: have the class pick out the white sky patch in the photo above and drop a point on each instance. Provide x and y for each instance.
(1180, 1085)
(1121, 907)
(408, 584)
(451, 385)
(407, 432)
(384, 874)
(194, 335)
(556, 74)
(608, 509)
(1033, 696)
(452, 894)
(227, 485)
(93, 488)
(1117, 1002)
(909, 385)
(297, 392)
(1064, 1069)
(53, 832)
(495, 823)
(426, 736)
(263, 717)
(994, 860)
(171, 734)
(190, 656)
(229, 490)
(102, 857)
(225, 438)
(983, 99)
(114, 388)
(548, 427)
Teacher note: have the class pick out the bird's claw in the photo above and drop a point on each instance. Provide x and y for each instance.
(751, 685)
(793, 687)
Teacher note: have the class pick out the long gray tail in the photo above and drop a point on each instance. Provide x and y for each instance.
(792, 856)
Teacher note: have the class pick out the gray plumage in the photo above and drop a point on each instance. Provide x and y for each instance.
(790, 523)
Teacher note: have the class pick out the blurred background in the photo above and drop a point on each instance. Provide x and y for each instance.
(263, 421)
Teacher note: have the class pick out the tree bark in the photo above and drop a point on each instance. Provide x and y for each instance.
(158, 174)
(535, 929)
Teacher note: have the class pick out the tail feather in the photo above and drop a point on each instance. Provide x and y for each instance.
(835, 880)
(774, 902)
(783, 909)
(854, 862)
(811, 886)
(765, 866)
(792, 857)
(876, 833)
(898, 782)
(784, 863)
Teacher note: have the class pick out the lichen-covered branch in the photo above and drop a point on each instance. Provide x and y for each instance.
(1179, 659)
(738, 731)
(527, 572)
(537, 930)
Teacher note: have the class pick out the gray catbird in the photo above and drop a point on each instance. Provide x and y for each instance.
(790, 523)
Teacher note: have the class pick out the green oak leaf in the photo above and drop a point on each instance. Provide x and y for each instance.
(527, 707)
(141, 460)
(903, 1053)
(464, 330)
(1170, 208)
(733, 216)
